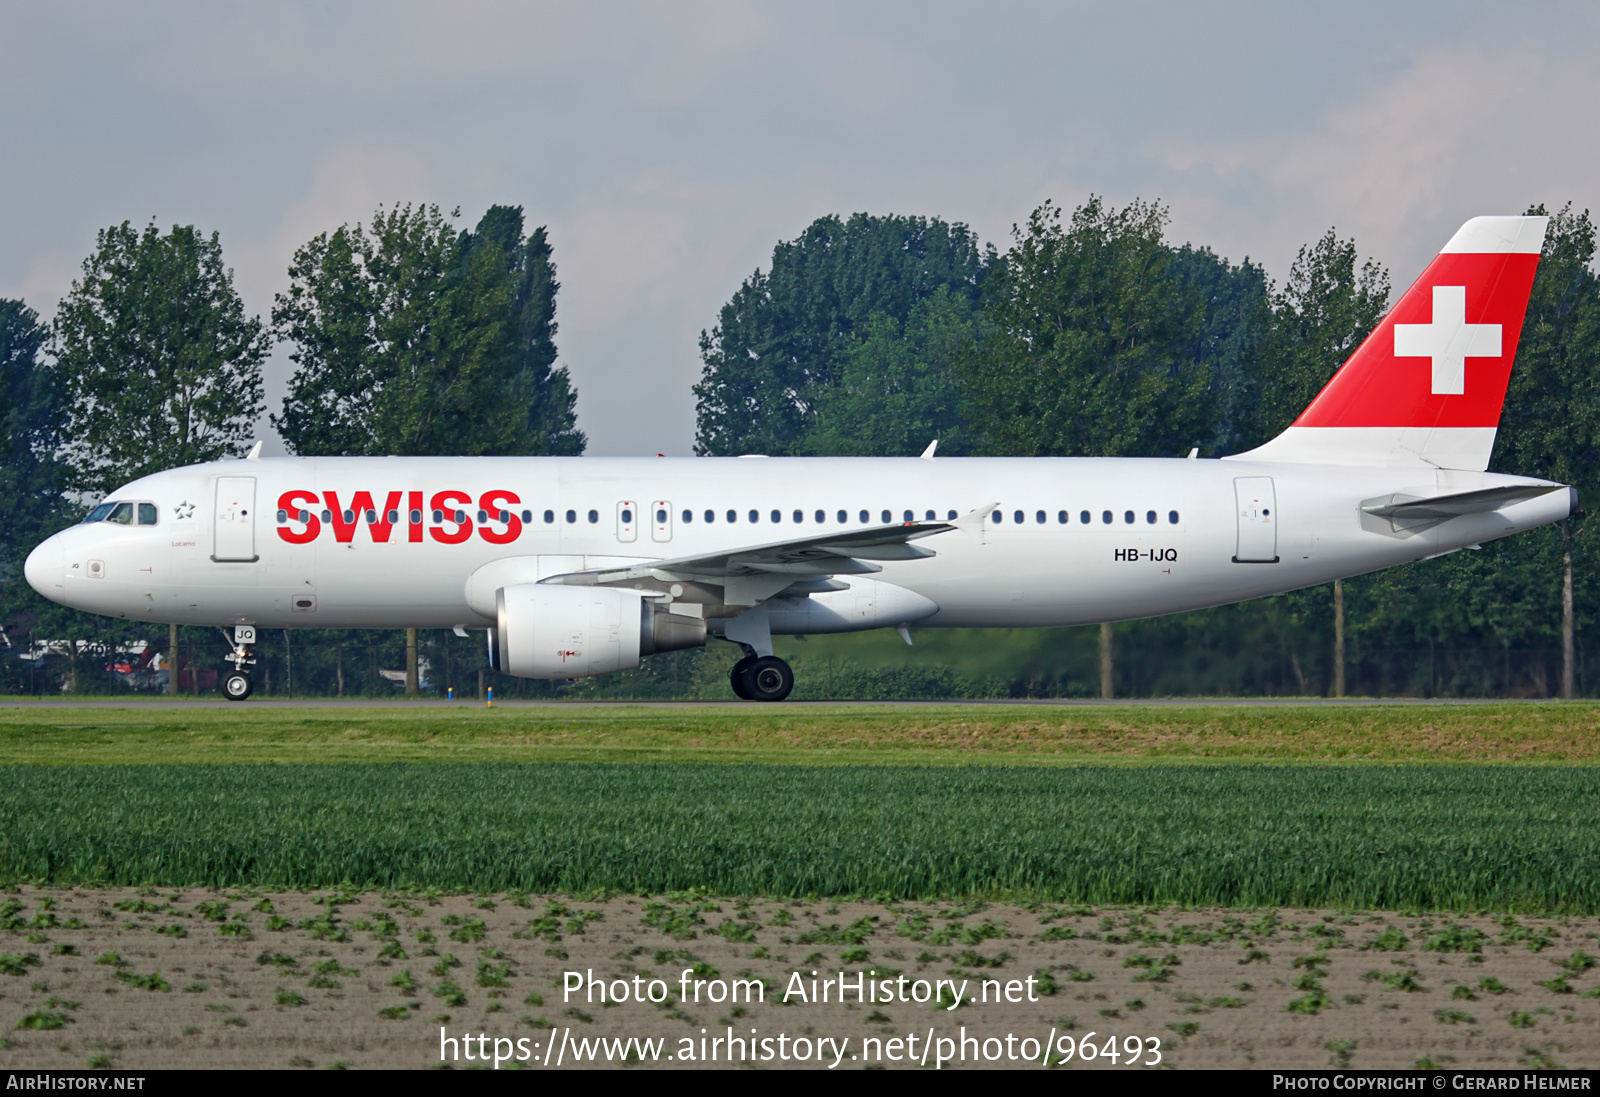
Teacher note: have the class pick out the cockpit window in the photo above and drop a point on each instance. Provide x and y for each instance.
(123, 513)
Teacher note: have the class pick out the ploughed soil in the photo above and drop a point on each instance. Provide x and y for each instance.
(197, 978)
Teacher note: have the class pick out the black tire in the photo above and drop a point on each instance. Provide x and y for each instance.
(768, 679)
(736, 678)
(236, 685)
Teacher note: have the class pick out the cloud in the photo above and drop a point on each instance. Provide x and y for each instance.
(1461, 132)
(347, 186)
(48, 278)
(644, 266)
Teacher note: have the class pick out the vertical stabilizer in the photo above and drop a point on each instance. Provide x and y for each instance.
(1426, 387)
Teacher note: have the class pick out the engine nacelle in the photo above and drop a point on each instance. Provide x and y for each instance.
(553, 631)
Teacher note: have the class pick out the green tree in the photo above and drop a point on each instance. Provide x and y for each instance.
(157, 361)
(1236, 302)
(1551, 423)
(1090, 340)
(1322, 313)
(781, 343)
(31, 419)
(898, 386)
(411, 338)
(544, 390)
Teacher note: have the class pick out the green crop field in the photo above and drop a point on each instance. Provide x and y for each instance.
(1457, 807)
(1427, 837)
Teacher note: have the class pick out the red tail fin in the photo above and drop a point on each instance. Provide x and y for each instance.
(1426, 387)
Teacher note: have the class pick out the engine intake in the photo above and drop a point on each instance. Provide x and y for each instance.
(552, 631)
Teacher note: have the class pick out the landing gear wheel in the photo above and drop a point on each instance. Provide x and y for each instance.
(768, 679)
(236, 685)
(736, 678)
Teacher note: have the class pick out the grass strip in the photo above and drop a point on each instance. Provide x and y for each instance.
(133, 733)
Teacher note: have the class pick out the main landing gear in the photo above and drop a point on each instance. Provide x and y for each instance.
(761, 678)
(236, 684)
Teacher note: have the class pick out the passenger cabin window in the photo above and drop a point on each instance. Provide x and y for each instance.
(1039, 517)
(688, 516)
(527, 518)
(147, 514)
(755, 516)
(1127, 516)
(821, 516)
(951, 516)
(733, 515)
(594, 516)
(1083, 516)
(627, 516)
(572, 516)
(549, 516)
(843, 517)
(711, 516)
(1150, 517)
(1016, 516)
(799, 516)
(1061, 517)
(866, 517)
(1172, 517)
(1105, 516)
(886, 518)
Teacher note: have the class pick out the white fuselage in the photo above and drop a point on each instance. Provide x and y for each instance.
(1011, 574)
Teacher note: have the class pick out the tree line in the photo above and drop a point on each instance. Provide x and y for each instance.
(408, 337)
(1091, 334)
(1095, 335)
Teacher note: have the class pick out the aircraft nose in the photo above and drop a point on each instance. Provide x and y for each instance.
(45, 569)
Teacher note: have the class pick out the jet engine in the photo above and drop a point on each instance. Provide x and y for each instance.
(546, 631)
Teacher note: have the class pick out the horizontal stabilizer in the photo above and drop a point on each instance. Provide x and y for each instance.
(1406, 508)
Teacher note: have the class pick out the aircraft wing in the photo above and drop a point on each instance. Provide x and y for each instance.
(754, 573)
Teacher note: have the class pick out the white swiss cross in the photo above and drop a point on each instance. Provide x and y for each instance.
(1449, 340)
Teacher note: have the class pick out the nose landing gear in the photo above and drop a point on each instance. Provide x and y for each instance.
(236, 685)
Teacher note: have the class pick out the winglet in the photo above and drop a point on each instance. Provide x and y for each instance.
(927, 454)
(976, 521)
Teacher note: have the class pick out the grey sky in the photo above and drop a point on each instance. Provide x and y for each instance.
(669, 145)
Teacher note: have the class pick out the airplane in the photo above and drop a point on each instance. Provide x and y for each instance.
(584, 566)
